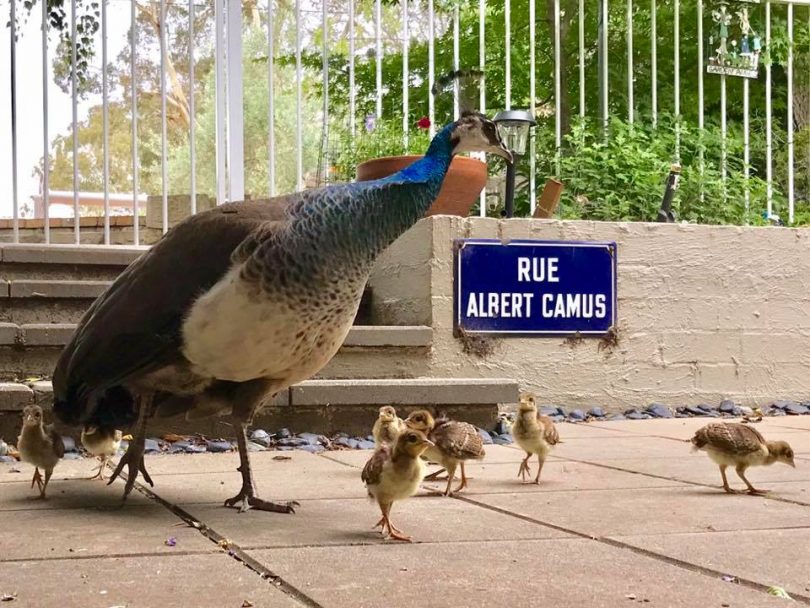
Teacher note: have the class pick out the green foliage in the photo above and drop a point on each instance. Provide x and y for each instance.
(386, 139)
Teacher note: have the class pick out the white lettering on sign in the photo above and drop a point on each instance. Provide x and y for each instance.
(538, 270)
(504, 305)
(573, 305)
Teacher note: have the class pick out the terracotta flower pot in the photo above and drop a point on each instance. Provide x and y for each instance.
(462, 184)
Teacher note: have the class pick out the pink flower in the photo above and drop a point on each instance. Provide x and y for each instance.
(423, 123)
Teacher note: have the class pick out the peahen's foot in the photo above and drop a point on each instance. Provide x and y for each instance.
(133, 458)
(247, 500)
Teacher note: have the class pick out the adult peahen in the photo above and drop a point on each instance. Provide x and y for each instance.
(237, 303)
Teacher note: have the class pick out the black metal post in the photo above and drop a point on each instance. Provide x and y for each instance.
(509, 204)
(665, 212)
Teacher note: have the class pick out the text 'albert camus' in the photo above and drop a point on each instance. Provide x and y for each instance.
(525, 303)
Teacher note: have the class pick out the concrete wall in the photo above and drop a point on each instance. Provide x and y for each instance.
(705, 313)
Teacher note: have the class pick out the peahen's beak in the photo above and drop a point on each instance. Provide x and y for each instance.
(501, 151)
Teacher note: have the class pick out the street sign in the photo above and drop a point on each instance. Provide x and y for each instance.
(535, 287)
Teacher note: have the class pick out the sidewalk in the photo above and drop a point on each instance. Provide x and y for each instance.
(625, 515)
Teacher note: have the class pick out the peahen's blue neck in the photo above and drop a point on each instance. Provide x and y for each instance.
(350, 231)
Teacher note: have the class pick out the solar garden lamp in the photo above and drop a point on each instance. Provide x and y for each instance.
(513, 126)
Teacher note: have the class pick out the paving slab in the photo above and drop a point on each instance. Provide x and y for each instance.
(698, 468)
(66, 494)
(769, 557)
(495, 454)
(513, 573)
(303, 477)
(66, 469)
(130, 530)
(201, 581)
(558, 476)
(650, 511)
(621, 447)
(579, 430)
(684, 428)
(429, 519)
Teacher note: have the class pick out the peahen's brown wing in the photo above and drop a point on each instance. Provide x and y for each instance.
(730, 437)
(458, 439)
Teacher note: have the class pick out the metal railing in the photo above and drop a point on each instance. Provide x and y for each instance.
(227, 56)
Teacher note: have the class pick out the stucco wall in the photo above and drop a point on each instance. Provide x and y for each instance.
(705, 313)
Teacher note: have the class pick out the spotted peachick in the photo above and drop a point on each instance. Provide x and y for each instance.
(240, 302)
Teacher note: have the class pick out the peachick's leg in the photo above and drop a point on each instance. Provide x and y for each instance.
(541, 460)
(524, 468)
(434, 476)
(464, 478)
(133, 457)
(751, 489)
(100, 471)
(37, 479)
(247, 495)
(393, 532)
(727, 487)
(451, 475)
(48, 474)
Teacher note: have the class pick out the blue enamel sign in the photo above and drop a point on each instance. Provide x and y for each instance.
(535, 287)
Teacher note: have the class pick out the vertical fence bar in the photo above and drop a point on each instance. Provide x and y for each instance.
(557, 91)
(105, 127)
(790, 168)
(325, 78)
(15, 203)
(676, 60)
(352, 109)
(508, 52)
(192, 150)
(746, 147)
(220, 86)
(581, 52)
(431, 69)
(723, 132)
(482, 89)
(271, 103)
(299, 124)
(406, 43)
(236, 129)
(532, 102)
(46, 166)
(164, 147)
(75, 124)
(456, 91)
(136, 224)
(768, 119)
(654, 62)
(603, 64)
(379, 54)
(701, 152)
(630, 105)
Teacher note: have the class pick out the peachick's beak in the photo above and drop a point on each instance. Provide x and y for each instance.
(792, 463)
(429, 443)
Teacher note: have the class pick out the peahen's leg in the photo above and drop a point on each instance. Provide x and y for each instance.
(133, 457)
(247, 495)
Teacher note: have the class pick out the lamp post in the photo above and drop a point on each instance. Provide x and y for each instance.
(513, 126)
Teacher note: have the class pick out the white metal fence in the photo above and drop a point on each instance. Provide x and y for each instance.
(344, 31)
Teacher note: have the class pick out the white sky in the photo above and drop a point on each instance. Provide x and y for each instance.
(29, 97)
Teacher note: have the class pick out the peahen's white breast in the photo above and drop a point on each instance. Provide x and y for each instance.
(238, 332)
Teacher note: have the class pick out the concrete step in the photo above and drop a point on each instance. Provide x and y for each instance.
(32, 349)
(65, 262)
(321, 406)
(27, 301)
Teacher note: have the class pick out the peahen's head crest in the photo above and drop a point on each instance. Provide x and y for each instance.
(474, 132)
